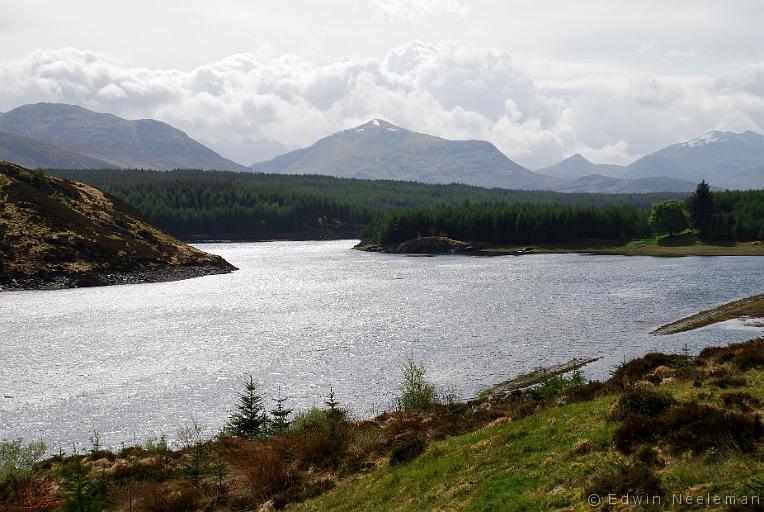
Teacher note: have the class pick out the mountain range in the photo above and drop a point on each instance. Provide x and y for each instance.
(54, 135)
(724, 159)
(92, 139)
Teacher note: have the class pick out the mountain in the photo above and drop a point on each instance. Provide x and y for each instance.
(746, 180)
(577, 166)
(56, 233)
(609, 185)
(144, 143)
(381, 150)
(715, 157)
(33, 153)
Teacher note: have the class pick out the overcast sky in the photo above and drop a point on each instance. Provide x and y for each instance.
(612, 80)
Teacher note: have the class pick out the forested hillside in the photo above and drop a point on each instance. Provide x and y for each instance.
(194, 204)
(741, 215)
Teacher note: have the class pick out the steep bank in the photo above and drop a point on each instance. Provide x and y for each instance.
(56, 233)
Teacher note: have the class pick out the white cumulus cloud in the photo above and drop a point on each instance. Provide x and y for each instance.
(250, 107)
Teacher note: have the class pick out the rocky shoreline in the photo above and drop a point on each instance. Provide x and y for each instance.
(60, 281)
(429, 245)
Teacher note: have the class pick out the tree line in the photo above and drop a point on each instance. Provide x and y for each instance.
(724, 216)
(729, 216)
(194, 204)
(502, 223)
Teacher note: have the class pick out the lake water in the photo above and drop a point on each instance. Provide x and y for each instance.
(135, 361)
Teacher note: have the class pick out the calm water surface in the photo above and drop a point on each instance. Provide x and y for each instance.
(139, 360)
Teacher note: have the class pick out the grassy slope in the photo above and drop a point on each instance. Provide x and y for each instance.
(685, 244)
(529, 464)
(749, 307)
(682, 245)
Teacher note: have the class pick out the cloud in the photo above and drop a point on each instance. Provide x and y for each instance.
(417, 9)
(250, 107)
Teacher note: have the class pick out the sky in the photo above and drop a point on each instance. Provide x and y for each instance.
(612, 80)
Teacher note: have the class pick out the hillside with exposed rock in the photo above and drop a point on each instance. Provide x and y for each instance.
(56, 233)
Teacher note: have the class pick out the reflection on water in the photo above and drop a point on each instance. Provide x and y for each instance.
(134, 361)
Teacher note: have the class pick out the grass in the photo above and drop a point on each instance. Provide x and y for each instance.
(546, 447)
(532, 464)
(684, 244)
(749, 307)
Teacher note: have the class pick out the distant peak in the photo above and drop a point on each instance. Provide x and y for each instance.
(715, 136)
(577, 157)
(378, 123)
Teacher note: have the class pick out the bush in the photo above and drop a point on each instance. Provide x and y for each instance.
(741, 356)
(29, 493)
(310, 420)
(585, 392)
(692, 427)
(267, 472)
(553, 385)
(417, 394)
(18, 458)
(728, 381)
(155, 498)
(406, 449)
(638, 369)
(648, 455)
(641, 401)
(633, 480)
(741, 400)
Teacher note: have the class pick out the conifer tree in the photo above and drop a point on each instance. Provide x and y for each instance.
(249, 419)
(701, 207)
(334, 414)
(280, 422)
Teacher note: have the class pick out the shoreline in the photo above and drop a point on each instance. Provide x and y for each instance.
(749, 307)
(444, 245)
(63, 281)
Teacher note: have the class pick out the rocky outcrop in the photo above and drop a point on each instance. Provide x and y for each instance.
(56, 233)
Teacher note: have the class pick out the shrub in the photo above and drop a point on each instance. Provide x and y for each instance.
(741, 400)
(406, 449)
(741, 356)
(312, 419)
(728, 381)
(649, 455)
(192, 440)
(641, 401)
(692, 427)
(633, 480)
(583, 447)
(17, 458)
(417, 394)
(585, 392)
(638, 369)
(155, 498)
(267, 472)
(29, 493)
(553, 385)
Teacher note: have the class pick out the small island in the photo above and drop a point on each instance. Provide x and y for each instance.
(56, 233)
